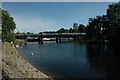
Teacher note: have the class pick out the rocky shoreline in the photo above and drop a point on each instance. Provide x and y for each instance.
(15, 66)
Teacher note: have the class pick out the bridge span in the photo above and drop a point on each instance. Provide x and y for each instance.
(57, 36)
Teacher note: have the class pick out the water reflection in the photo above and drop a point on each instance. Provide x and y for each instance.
(74, 60)
(104, 58)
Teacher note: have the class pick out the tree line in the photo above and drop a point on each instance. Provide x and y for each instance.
(101, 28)
(80, 29)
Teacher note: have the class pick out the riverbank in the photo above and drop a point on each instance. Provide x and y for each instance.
(15, 66)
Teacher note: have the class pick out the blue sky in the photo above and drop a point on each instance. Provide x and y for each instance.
(46, 16)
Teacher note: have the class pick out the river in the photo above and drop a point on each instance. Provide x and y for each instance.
(73, 60)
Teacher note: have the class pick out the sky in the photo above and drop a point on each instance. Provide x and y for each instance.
(51, 16)
(60, 0)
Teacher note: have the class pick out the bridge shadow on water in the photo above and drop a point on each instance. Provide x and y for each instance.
(105, 58)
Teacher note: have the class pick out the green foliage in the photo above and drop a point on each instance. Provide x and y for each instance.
(18, 32)
(8, 27)
(29, 33)
(62, 30)
(94, 27)
(71, 30)
(10, 37)
(107, 26)
(81, 28)
(113, 21)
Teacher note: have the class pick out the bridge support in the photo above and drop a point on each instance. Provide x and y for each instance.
(40, 39)
(60, 39)
(76, 38)
(56, 39)
(79, 38)
(25, 39)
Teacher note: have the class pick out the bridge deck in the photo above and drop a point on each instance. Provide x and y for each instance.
(56, 34)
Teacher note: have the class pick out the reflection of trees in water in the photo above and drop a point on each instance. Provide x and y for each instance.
(103, 58)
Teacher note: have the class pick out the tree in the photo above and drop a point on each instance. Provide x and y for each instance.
(29, 33)
(18, 32)
(94, 27)
(62, 30)
(66, 31)
(106, 26)
(8, 27)
(70, 30)
(113, 22)
(81, 28)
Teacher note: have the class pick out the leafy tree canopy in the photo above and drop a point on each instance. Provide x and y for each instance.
(106, 26)
(8, 27)
(81, 28)
(62, 30)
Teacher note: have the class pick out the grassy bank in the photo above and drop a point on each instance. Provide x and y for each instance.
(15, 66)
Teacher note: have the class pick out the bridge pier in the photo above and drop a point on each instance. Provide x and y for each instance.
(60, 39)
(76, 38)
(25, 39)
(56, 39)
(40, 39)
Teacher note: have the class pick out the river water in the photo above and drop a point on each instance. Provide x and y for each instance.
(73, 60)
